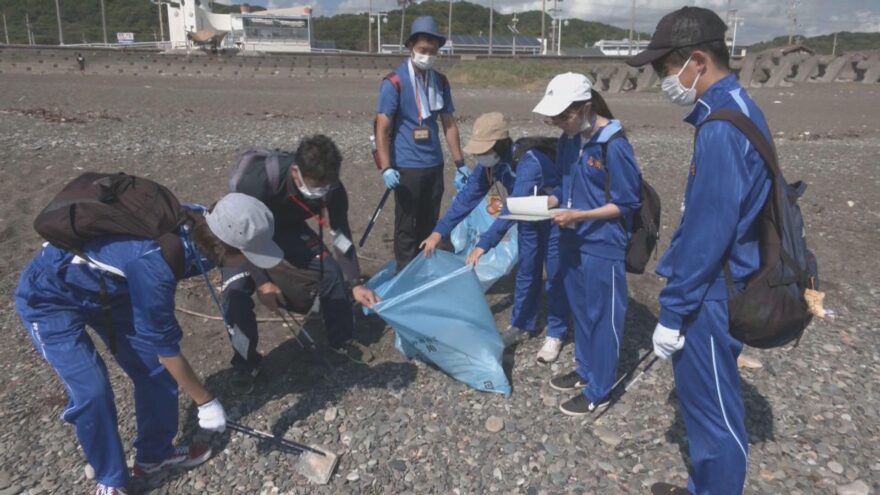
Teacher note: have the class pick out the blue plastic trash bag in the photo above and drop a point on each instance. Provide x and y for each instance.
(439, 314)
(495, 263)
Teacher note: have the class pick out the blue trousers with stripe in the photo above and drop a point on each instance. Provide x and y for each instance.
(708, 387)
(55, 317)
(538, 246)
(597, 295)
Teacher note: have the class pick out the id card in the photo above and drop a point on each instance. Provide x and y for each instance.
(340, 242)
(421, 134)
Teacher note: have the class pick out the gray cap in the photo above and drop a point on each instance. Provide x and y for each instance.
(245, 223)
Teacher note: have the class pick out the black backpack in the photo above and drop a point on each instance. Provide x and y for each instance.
(546, 145)
(95, 205)
(645, 231)
(771, 310)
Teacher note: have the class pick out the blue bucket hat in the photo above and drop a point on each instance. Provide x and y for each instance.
(426, 25)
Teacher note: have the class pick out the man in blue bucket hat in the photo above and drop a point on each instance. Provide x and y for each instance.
(412, 99)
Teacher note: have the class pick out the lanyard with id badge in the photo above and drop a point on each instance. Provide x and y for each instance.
(422, 133)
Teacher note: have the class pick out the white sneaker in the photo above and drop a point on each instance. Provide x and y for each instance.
(109, 490)
(550, 350)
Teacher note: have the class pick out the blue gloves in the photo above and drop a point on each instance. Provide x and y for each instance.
(667, 341)
(461, 177)
(391, 178)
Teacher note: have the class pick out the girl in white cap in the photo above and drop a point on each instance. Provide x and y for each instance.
(600, 192)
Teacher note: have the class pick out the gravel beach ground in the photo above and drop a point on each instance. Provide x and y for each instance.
(403, 427)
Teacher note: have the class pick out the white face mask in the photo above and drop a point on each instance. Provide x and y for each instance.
(310, 192)
(488, 160)
(676, 92)
(423, 61)
(588, 123)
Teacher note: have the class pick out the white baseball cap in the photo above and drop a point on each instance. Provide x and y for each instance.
(246, 224)
(562, 91)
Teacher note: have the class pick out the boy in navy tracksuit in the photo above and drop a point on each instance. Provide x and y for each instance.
(727, 187)
(595, 232)
(538, 242)
(59, 293)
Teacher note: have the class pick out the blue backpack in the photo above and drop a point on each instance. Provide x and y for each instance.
(771, 310)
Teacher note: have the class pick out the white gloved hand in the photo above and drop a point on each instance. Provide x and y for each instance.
(667, 341)
(212, 417)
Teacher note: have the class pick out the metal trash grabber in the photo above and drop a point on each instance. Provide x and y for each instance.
(315, 464)
(375, 217)
(616, 398)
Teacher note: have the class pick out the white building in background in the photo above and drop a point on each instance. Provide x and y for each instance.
(620, 48)
(276, 30)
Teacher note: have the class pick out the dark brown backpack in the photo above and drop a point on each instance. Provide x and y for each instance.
(96, 205)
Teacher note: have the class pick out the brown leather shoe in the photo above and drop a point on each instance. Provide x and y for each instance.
(667, 489)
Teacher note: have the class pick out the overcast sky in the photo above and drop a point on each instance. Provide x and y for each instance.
(761, 19)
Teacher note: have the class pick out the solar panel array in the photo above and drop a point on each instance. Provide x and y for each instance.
(475, 40)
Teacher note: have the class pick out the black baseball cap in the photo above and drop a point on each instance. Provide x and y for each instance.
(687, 26)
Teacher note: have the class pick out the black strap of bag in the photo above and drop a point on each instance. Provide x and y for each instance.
(768, 152)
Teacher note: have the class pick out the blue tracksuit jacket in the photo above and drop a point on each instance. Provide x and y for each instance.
(479, 183)
(726, 189)
(583, 188)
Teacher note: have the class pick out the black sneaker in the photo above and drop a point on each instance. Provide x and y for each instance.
(579, 405)
(667, 489)
(568, 382)
(242, 381)
(355, 351)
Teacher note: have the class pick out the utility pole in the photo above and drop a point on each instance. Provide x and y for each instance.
(632, 26)
(553, 28)
(449, 30)
(402, 18)
(161, 22)
(370, 28)
(27, 25)
(543, 33)
(6, 30)
(58, 16)
(559, 44)
(833, 47)
(104, 21)
(736, 21)
(792, 14)
(491, 25)
(381, 18)
(514, 30)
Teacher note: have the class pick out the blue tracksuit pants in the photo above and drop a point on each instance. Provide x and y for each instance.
(597, 294)
(56, 317)
(708, 389)
(538, 245)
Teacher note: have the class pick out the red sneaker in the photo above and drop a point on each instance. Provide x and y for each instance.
(184, 456)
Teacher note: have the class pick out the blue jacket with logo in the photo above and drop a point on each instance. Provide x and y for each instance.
(727, 187)
(402, 110)
(584, 172)
(534, 170)
(132, 268)
(478, 185)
